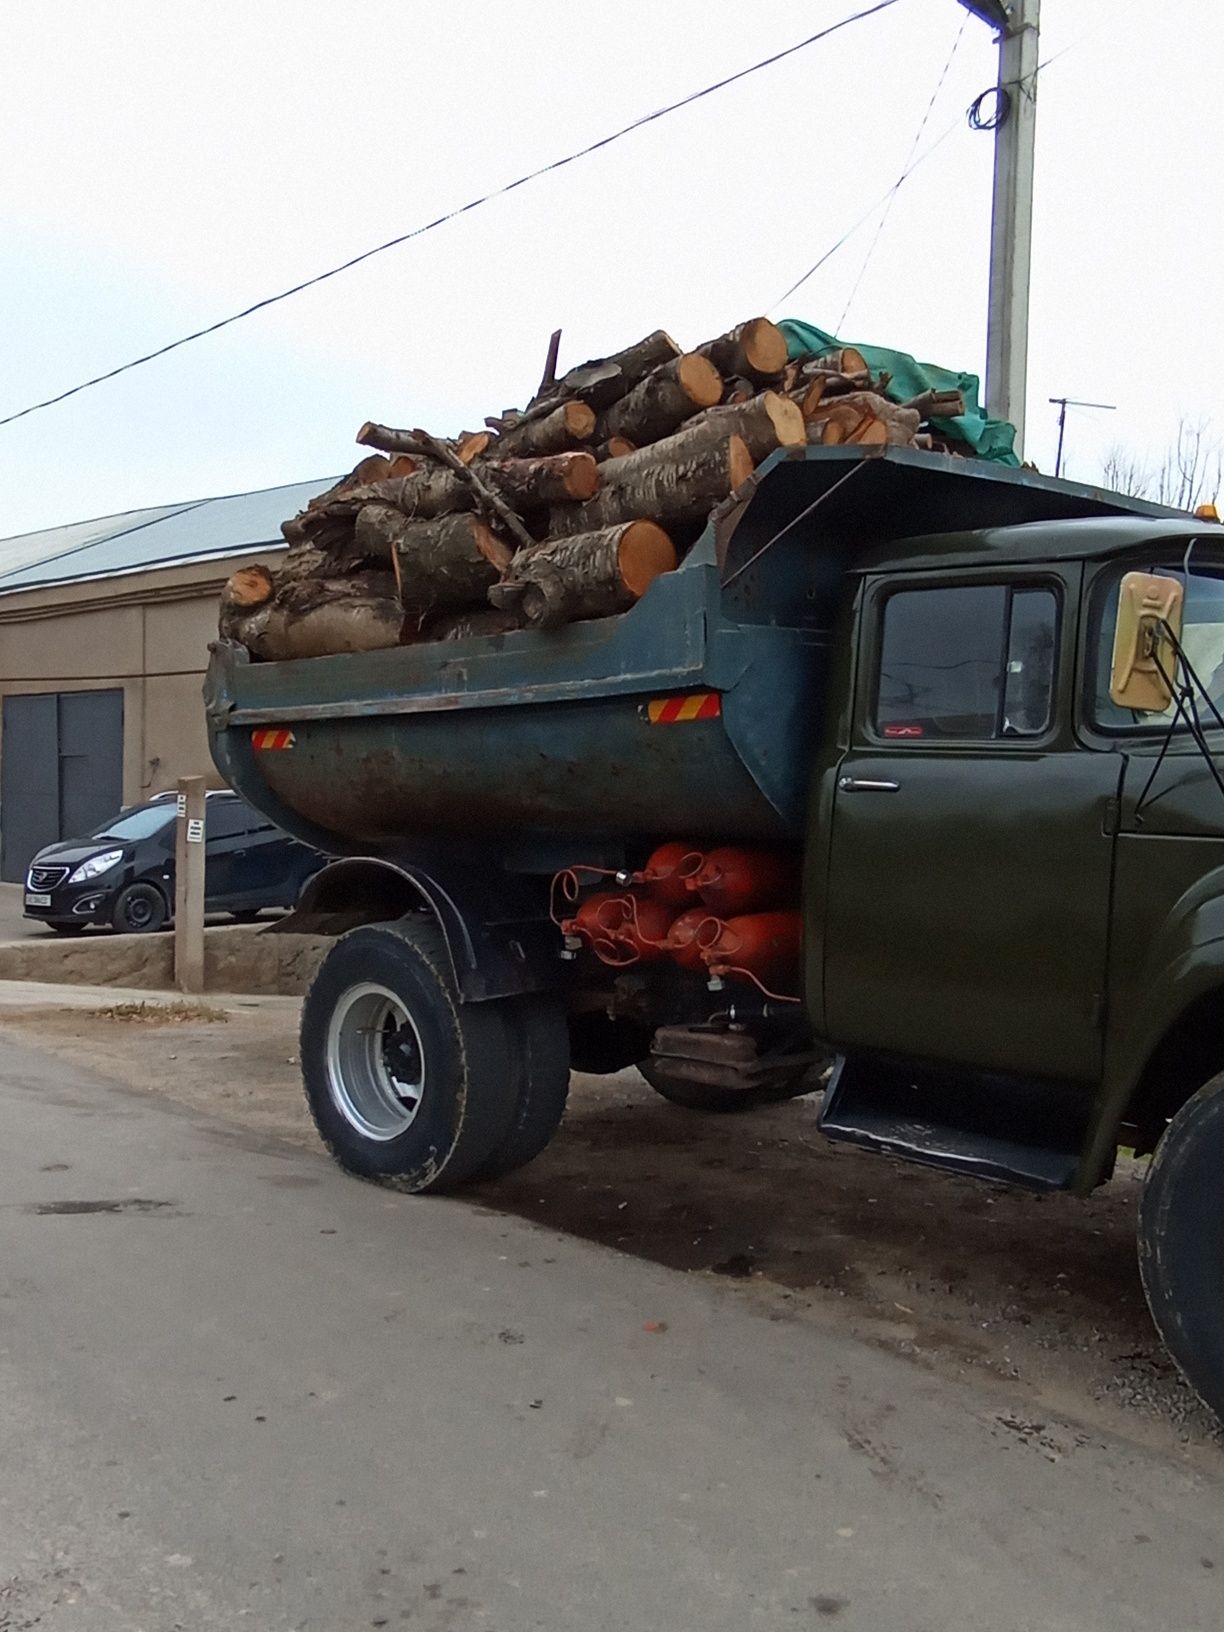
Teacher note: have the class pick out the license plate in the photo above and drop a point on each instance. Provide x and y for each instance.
(37, 900)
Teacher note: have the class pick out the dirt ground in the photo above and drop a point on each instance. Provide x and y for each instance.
(1036, 1297)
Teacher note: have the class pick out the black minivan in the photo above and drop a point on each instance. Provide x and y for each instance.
(122, 874)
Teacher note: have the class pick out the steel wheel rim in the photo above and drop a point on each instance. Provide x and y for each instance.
(375, 1062)
(139, 911)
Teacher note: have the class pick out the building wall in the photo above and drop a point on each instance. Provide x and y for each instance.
(146, 633)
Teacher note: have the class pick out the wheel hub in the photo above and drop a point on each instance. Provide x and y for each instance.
(375, 1062)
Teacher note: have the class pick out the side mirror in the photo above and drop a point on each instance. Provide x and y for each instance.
(1142, 648)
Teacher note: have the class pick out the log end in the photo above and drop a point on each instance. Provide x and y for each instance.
(764, 347)
(786, 417)
(645, 551)
(581, 476)
(495, 550)
(249, 586)
(699, 379)
(579, 420)
(739, 461)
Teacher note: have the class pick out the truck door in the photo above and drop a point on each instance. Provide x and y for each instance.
(967, 904)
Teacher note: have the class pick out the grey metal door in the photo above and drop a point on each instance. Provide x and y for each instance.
(61, 771)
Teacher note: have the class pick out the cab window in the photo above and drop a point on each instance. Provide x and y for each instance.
(1202, 640)
(968, 662)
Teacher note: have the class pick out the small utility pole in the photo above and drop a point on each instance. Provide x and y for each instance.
(1063, 403)
(189, 886)
(1011, 221)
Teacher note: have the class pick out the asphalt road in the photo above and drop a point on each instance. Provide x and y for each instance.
(237, 1388)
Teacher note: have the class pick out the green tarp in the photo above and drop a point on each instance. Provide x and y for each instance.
(989, 438)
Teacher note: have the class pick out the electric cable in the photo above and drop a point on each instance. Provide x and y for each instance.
(451, 215)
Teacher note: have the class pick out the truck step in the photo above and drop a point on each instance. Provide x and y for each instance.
(988, 1127)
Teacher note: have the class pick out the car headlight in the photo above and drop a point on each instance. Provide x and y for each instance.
(95, 866)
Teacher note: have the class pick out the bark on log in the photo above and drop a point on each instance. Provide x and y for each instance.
(756, 350)
(598, 383)
(842, 360)
(676, 481)
(374, 468)
(568, 426)
(489, 620)
(665, 399)
(450, 562)
(533, 484)
(320, 617)
(767, 422)
(937, 404)
(591, 575)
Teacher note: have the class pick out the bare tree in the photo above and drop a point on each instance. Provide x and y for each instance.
(1191, 472)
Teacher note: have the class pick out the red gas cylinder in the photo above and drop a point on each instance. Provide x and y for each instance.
(643, 930)
(600, 914)
(766, 944)
(732, 880)
(665, 873)
(682, 943)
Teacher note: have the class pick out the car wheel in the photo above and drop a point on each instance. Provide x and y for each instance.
(139, 910)
(708, 1096)
(407, 1085)
(1181, 1241)
(248, 915)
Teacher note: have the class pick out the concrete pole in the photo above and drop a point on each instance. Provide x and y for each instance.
(1011, 224)
(189, 886)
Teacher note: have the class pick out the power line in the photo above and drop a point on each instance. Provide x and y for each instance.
(896, 188)
(463, 209)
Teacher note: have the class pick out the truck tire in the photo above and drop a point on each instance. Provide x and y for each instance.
(408, 1086)
(540, 1047)
(1181, 1242)
(708, 1096)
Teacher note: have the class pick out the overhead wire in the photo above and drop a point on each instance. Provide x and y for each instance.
(897, 185)
(451, 215)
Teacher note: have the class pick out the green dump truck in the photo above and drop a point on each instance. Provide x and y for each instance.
(904, 787)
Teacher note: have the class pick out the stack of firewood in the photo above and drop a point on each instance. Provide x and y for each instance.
(564, 510)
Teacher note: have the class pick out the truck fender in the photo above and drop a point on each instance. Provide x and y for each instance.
(498, 937)
(1184, 965)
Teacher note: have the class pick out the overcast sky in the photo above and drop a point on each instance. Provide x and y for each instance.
(164, 165)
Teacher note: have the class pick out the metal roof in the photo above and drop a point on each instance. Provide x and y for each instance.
(162, 536)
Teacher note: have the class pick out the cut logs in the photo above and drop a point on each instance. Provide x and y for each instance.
(665, 399)
(566, 509)
(678, 480)
(755, 350)
(449, 562)
(590, 575)
(568, 426)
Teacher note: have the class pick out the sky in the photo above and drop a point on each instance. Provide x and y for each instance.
(162, 166)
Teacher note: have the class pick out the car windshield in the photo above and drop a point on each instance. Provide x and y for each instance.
(140, 823)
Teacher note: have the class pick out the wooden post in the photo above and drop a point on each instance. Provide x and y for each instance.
(189, 886)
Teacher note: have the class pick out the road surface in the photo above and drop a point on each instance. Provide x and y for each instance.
(237, 1388)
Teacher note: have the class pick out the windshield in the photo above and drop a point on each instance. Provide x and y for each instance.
(140, 823)
(1202, 640)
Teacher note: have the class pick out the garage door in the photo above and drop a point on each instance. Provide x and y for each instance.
(61, 771)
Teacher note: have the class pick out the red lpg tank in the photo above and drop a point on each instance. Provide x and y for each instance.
(600, 914)
(643, 930)
(682, 942)
(766, 944)
(663, 872)
(732, 881)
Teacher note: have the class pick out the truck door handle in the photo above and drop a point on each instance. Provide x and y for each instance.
(854, 784)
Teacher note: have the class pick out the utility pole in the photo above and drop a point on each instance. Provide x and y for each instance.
(1011, 221)
(189, 886)
(1062, 404)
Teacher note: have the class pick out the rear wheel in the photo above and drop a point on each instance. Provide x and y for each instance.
(407, 1085)
(708, 1096)
(1181, 1241)
(139, 910)
(542, 1056)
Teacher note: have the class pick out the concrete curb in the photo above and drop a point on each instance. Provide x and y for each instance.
(236, 959)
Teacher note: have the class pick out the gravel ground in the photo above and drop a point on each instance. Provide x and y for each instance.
(1036, 1296)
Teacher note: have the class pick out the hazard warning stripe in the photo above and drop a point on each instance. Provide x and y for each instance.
(701, 705)
(272, 739)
